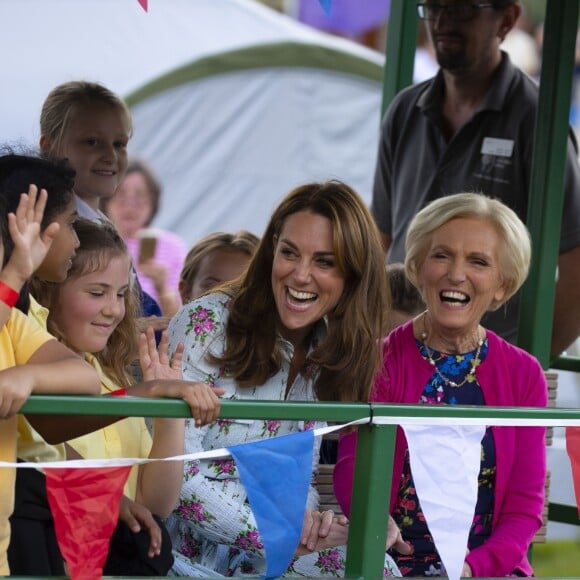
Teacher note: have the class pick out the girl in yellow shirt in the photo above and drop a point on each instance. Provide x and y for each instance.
(94, 312)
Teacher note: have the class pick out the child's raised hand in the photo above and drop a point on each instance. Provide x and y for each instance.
(30, 244)
(201, 398)
(154, 361)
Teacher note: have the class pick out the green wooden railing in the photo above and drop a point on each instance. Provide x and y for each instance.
(375, 448)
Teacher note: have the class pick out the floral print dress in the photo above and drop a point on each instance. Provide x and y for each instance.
(212, 528)
(407, 512)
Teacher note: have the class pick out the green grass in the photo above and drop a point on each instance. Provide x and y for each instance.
(557, 559)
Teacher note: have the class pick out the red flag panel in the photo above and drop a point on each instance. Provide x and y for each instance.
(85, 507)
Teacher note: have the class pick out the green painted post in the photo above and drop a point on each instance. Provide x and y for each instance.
(547, 176)
(370, 501)
(400, 49)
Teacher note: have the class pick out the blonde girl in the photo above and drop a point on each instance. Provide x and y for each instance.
(90, 126)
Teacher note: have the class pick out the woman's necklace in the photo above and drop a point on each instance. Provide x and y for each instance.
(474, 361)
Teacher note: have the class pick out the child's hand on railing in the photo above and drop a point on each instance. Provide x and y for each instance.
(16, 384)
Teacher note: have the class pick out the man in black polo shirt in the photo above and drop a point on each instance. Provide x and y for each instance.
(470, 128)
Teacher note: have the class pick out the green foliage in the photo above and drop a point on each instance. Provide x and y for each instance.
(557, 559)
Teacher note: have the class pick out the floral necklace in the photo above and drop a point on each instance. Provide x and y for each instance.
(475, 361)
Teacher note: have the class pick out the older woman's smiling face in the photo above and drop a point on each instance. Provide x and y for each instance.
(460, 278)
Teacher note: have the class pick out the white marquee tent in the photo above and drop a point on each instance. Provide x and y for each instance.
(233, 104)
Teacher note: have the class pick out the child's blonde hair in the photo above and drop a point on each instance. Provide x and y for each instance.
(63, 102)
(99, 243)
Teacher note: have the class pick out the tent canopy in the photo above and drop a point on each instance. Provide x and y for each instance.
(233, 103)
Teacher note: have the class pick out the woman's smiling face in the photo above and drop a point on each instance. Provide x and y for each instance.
(306, 280)
(460, 278)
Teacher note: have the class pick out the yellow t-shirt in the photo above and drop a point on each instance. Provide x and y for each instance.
(31, 446)
(126, 438)
(20, 338)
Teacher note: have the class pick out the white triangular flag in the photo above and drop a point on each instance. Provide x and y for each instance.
(445, 463)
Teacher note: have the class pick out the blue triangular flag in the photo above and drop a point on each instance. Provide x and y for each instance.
(276, 474)
(326, 4)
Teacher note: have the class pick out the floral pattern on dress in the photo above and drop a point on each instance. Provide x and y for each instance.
(223, 467)
(202, 322)
(190, 546)
(330, 562)
(190, 469)
(193, 510)
(224, 426)
(249, 540)
(271, 428)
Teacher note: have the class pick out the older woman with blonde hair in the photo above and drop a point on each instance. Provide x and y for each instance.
(302, 323)
(467, 254)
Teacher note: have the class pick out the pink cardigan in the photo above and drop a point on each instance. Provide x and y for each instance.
(508, 376)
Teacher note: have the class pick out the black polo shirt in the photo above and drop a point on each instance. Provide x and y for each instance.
(491, 154)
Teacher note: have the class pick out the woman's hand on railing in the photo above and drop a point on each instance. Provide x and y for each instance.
(322, 530)
(395, 539)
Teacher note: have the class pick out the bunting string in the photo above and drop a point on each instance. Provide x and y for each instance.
(375, 420)
(77, 489)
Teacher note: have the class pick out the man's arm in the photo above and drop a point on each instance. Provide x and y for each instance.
(566, 326)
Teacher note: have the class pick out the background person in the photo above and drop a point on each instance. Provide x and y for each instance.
(467, 254)
(217, 258)
(472, 126)
(133, 208)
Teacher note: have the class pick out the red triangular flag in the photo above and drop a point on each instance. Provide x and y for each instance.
(573, 448)
(85, 507)
(143, 4)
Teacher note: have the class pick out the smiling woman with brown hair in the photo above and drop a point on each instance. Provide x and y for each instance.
(303, 323)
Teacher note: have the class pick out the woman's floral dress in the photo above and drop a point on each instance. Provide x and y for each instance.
(407, 512)
(212, 527)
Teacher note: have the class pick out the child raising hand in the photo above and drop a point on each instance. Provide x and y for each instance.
(31, 360)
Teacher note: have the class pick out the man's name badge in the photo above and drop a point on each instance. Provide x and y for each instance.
(498, 147)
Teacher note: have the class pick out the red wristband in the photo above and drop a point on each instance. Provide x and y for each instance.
(8, 295)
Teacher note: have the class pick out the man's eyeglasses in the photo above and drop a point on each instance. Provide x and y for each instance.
(459, 11)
